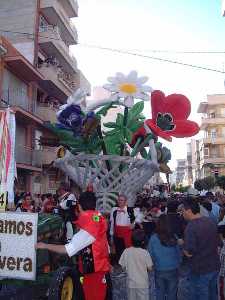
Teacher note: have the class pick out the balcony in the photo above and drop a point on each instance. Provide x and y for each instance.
(52, 44)
(215, 139)
(48, 155)
(212, 159)
(71, 7)
(46, 112)
(16, 97)
(57, 83)
(59, 14)
(28, 156)
(213, 119)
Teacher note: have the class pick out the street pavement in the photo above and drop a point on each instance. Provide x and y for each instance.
(119, 284)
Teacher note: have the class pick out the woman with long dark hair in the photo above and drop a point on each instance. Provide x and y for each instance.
(166, 257)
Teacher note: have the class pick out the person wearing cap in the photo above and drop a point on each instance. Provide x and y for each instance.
(92, 245)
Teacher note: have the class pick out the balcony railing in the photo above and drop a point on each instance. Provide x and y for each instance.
(46, 112)
(28, 156)
(214, 136)
(16, 97)
(66, 79)
(213, 116)
(52, 33)
(48, 155)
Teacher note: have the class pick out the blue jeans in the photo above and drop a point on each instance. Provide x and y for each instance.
(166, 283)
(204, 287)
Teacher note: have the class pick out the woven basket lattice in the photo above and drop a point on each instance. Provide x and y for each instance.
(109, 174)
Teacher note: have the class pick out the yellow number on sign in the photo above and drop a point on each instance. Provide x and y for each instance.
(3, 200)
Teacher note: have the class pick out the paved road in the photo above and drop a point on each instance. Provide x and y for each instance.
(119, 285)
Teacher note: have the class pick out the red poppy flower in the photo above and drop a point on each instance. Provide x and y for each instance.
(169, 117)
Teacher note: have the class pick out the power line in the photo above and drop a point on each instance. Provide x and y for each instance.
(120, 51)
(127, 50)
(175, 51)
(153, 58)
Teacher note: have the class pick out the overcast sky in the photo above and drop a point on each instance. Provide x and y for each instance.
(145, 25)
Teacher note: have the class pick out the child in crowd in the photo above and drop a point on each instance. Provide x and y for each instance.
(166, 256)
(136, 261)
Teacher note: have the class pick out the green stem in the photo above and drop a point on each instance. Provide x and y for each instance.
(134, 151)
(125, 118)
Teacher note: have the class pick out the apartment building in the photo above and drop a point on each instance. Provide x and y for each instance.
(212, 146)
(180, 171)
(192, 172)
(37, 74)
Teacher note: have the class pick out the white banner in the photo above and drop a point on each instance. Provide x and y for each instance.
(7, 153)
(18, 237)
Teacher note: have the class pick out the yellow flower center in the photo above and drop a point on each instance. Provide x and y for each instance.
(128, 88)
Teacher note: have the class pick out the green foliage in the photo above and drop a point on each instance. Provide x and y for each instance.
(77, 144)
(182, 189)
(120, 134)
(209, 182)
(198, 185)
(220, 181)
(206, 183)
(103, 111)
(173, 187)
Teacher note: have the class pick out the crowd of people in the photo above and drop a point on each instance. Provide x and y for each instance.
(166, 234)
(158, 235)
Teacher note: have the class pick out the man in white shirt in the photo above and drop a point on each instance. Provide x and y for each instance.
(122, 220)
(67, 204)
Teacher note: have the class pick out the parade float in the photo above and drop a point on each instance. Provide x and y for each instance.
(122, 155)
(113, 157)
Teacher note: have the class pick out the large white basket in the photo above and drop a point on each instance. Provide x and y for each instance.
(126, 175)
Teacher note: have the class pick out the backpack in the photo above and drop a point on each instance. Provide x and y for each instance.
(130, 211)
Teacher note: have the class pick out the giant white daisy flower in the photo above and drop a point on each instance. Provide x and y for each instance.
(128, 87)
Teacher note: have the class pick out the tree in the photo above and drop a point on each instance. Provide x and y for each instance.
(221, 182)
(173, 188)
(198, 185)
(209, 183)
(206, 183)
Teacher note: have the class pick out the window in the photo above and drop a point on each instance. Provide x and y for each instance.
(222, 112)
(43, 24)
(213, 133)
(38, 135)
(206, 152)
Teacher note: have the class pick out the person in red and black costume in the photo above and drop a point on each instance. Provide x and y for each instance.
(90, 242)
(122, 220)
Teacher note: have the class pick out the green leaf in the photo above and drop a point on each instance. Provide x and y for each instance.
(112, 133)
(112, 145)
(136, 110)
(128, 135)
(135, 126)
(119, 120)
(122, 139)
(144, 153)
(103, 111)
(110, 125)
